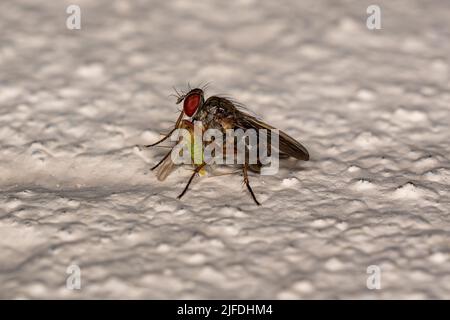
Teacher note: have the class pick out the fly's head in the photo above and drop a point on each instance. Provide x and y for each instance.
(193, 100)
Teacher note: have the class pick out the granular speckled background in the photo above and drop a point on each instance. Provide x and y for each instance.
(373, 108)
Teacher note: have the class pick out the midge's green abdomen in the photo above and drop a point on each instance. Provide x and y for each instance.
(195, 149)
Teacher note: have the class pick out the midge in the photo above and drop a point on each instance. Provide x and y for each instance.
(223, 114)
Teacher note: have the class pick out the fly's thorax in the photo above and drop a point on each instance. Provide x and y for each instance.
(199, 116)
(205, 116)
(216, 113)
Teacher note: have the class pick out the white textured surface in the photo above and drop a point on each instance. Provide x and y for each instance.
(371, 106)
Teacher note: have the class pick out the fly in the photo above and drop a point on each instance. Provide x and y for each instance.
(223, 113)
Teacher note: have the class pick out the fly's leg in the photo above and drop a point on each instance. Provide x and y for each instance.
(247, 183)
(177, 125)
(196, 171)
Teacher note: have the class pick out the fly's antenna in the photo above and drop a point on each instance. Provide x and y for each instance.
(177, 94)
(175, 88)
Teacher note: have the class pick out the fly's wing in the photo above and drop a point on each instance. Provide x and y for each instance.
(165, 169)
(287, 144)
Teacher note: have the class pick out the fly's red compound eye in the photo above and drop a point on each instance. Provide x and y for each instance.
(191, 103)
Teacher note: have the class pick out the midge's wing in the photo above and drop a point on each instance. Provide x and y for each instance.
(287, 144)
(165, 169)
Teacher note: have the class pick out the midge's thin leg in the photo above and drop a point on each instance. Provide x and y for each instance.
(177, 125)
(162, 140)
(180, 124)
(161, 161)
(200, 167)
(247, 183)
